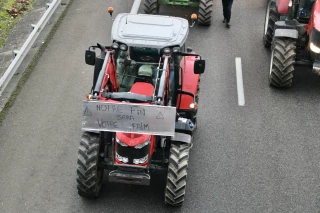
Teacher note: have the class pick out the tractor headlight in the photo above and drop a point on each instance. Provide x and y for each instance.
(166, 50)
(123, 47)
(193, 105)
(314, 48)
(121, 158)
(315, 41)
(115, 45)
(176, 49)
(141, 160)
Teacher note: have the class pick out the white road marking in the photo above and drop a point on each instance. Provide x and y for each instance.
(240, 89)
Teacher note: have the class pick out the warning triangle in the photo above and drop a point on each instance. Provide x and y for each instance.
(160, 116)
(87, 112)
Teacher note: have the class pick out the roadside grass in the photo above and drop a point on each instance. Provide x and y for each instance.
(33, 63)
(6, 21)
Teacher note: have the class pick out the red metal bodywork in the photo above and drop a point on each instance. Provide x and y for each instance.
(189, 83)
(110, 75)
(315, 18)
(283, 6)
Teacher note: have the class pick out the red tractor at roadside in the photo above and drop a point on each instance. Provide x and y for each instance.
(295, 38)
(141, 112)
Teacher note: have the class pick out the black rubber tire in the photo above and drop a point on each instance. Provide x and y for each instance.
(151, 7)
(205, 12)
(272, 16)
(89, 175)
(177, 174)
(282, 62)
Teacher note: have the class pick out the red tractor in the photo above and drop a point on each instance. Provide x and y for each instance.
(142, 110)
(295, 40)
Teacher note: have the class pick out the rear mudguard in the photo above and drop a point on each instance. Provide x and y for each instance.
(283, 6)
(182, 138)
(189, 82)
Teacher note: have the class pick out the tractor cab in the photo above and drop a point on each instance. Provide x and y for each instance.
(144, 46)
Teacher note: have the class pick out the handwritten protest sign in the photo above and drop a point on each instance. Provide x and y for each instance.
(126, 117)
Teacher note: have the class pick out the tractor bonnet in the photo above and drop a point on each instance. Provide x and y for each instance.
(153, 31)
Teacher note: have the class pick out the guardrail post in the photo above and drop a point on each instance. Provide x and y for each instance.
(48, 5)
(15, 53)
(32, 26)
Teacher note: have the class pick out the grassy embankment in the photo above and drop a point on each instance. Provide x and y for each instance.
(7, 21)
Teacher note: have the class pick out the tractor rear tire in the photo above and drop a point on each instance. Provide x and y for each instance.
(151, 7)
(90, 176)
(177, 174)
(282, 62)
(205, 12)
(272, 16)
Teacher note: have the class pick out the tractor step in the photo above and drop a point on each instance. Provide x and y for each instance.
(129, 177)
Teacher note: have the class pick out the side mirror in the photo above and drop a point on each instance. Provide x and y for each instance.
(199, 66)
(90, 57)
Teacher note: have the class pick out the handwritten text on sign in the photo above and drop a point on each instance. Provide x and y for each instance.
(124, 117)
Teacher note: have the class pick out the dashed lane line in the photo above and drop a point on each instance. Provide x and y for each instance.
(240, 90)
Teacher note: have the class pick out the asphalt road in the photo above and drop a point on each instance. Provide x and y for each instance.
(261, 157)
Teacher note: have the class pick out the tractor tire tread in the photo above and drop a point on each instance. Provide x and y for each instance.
(205, 12)
(151, 7)
(89, 183)
(177, 174)
(273, 18)
(283, 62)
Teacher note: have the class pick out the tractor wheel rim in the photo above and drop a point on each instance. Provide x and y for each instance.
(266, 23)
(271, 61)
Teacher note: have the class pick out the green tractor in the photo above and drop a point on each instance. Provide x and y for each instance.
(205, 8)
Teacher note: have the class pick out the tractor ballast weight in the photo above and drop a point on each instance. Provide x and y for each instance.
(141, 112)
(204, 14)
(296, 41)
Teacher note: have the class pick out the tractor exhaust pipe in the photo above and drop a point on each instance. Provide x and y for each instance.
(135, 7)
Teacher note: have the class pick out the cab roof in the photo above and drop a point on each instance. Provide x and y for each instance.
(153, 31)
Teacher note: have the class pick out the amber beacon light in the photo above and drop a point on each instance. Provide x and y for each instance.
(110, 10)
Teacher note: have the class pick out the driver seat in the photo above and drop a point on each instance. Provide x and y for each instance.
(143, 84)
(145, 74)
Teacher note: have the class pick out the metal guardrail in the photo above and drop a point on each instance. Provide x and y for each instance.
(20, 55)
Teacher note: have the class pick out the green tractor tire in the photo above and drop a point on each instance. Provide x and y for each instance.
(151, 7)
(205, 12)
(205, 8)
